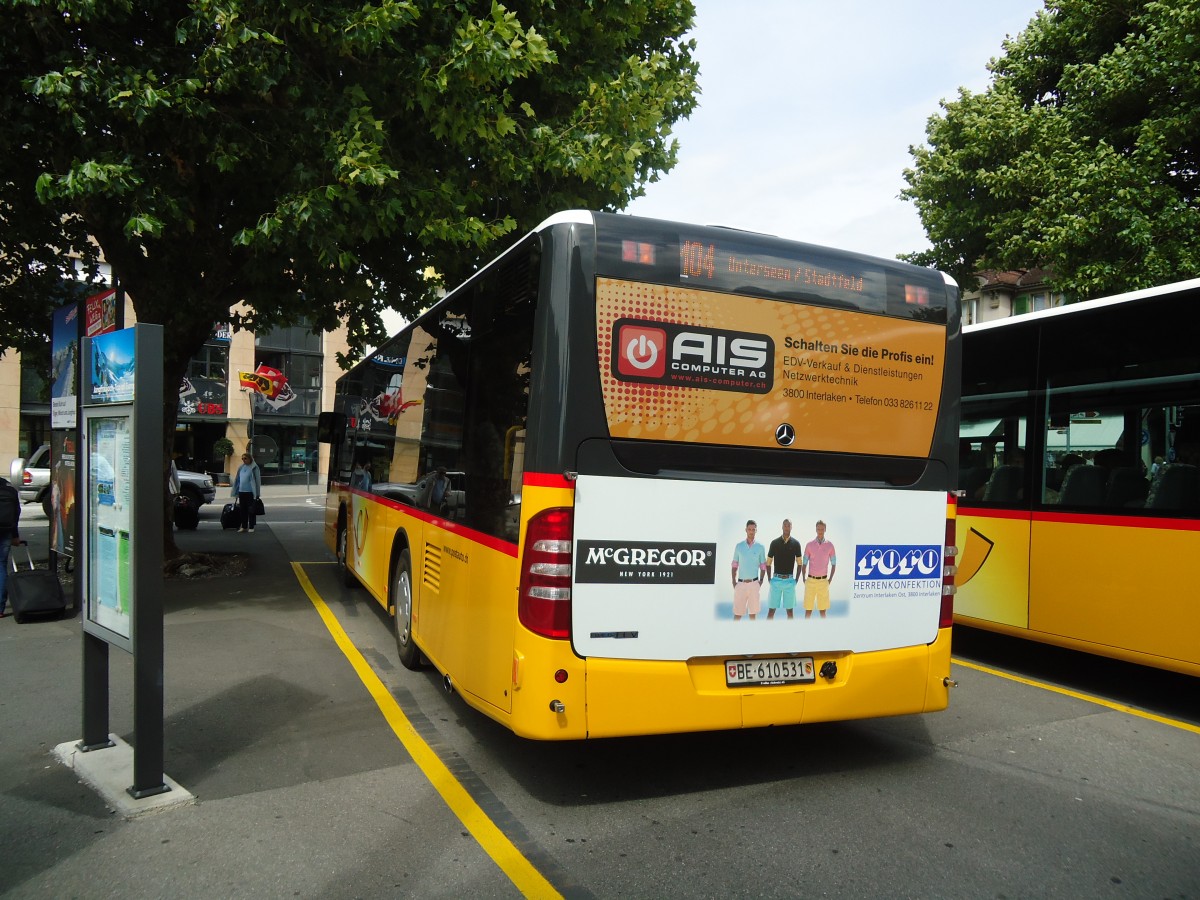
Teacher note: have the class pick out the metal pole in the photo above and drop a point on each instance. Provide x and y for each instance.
(95, 689)
(147, 573)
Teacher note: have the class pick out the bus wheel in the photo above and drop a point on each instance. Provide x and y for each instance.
(410, 655)
(347, 576)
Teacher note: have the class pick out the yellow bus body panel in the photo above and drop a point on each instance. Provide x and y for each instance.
(993, 569)
(1091, 585)
(1108, 587)
(465, 600)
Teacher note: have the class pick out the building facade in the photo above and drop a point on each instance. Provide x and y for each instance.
(280, 431)
(998, 295)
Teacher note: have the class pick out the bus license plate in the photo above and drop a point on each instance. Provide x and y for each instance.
(775, 670)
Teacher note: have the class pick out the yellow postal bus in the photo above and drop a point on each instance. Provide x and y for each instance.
(546, 480)
(1081, 499)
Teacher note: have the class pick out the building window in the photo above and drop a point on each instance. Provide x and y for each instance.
(205, 388)
(296, 337)
(211, 362)
(303, 374)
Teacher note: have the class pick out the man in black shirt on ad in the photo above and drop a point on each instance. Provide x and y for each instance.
(781, 568)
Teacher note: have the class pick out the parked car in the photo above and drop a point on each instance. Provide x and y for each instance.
(35, 483)
(197, 487)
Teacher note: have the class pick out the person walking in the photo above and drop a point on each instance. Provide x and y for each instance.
(247, 488)
(10, 516)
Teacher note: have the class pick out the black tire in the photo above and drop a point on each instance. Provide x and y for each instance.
(401, 598)
(48, 505)
(344, 573)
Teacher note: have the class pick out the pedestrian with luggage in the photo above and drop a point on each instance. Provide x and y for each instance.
(10, 516)
(247, 487)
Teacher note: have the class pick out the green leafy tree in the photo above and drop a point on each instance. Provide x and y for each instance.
(313, 160)
(1081, 157)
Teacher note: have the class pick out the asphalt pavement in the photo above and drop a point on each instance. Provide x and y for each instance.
(293, 779)
(297, 785)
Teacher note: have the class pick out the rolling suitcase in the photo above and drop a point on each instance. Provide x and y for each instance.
(36, 591)
(231, 516)
(187, 514)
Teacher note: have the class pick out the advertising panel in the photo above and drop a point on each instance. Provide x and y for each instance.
(62, 484)
(64, 366)
(110, 377)
(199, 396)
(101, 313)
(683, 364)
(654, 576)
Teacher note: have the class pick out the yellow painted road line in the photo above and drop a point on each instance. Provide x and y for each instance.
(1090, 698)
(527, 879)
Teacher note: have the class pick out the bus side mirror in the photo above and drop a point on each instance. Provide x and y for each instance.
(331, 427)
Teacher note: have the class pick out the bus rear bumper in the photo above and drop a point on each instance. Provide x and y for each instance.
(630, 698)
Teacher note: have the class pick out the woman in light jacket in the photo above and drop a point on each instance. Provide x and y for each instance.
(247, 487)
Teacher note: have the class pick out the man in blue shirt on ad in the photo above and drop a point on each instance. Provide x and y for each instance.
(749, 569)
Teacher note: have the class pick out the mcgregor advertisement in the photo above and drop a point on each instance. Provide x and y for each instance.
(655, 577)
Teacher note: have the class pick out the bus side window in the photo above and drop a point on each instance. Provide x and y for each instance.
(1127, 488)
(442, 349)
(497, 401)
(1004, 485)
(991, 456)
(973, 470)
(1177, 488)
(1084, 485)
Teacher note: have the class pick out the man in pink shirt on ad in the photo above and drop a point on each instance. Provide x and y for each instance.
(820, 562)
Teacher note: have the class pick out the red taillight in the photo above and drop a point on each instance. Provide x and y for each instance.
(949, 567)
(27, 479)
(544, 606)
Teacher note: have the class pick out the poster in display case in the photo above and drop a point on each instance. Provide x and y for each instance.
(110, 524)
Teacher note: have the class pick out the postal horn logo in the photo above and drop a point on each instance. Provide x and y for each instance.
(690, 356)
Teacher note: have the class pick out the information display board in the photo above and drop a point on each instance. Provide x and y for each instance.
(122, 480)
(110, 523)
(121, 434)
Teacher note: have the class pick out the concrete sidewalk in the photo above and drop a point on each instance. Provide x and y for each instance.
(296, 776)
(279, 490)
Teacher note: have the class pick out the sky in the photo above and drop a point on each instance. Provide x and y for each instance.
(807, 111)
